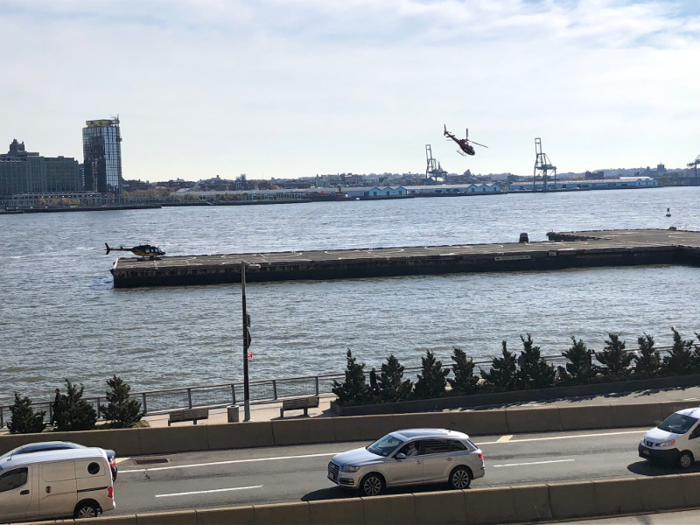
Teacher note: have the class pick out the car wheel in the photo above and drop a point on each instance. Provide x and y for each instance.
(685, 460)
(372, 485)
(86, 509)
(460, 478)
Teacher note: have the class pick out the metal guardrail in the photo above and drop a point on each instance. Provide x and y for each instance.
(261, 391)
(217, 395)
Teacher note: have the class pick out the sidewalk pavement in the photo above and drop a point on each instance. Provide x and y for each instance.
(258, 412)
(270, 411)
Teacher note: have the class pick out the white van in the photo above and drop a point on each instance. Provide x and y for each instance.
(72, 483)
(675, 441)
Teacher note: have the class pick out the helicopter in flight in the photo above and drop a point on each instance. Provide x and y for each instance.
(464, 143)
(145, 251)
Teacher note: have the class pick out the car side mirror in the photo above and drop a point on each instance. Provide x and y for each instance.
(401, 455)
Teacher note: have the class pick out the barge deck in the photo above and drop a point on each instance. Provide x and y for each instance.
(563, 250)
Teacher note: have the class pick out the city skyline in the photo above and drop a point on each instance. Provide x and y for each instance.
(279, 89)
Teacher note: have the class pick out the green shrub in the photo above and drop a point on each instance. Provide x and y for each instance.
(121, 411)
(502, 377)
(354, 390)
(648, 362)
(464, 382)
(580, 369)
(24, 420)
(614, 358)
(681, 359)
(534, 370)
(73, 412)
(431, 382)
(392, 387)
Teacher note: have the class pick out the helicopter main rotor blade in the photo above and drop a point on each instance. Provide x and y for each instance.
(478, 144)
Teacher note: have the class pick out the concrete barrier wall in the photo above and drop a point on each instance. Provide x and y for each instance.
(169, 440)
(523, 503)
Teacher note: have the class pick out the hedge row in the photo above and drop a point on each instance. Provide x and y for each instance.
(510, 372)
(72, 412)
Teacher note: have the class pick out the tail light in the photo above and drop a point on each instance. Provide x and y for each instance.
(110, 492)
(113, 462)
(481, 456)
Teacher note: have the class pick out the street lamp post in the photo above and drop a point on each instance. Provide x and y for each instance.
(246, 342)
(246, 345)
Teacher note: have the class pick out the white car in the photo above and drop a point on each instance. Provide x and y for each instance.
(408, 457)
(674, 441)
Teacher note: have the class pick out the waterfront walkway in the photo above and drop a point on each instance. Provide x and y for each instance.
(270, 411)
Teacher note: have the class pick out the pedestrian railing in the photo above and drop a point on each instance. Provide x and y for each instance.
(261, 391)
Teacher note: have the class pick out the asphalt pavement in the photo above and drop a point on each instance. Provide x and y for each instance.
(298, 473)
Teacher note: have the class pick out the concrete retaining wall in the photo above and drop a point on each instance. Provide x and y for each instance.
(170, 440)
(516, 504)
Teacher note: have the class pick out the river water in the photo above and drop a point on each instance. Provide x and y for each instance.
(61, 318)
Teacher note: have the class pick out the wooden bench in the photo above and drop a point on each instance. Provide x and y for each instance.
(299, 403)
(188, 414)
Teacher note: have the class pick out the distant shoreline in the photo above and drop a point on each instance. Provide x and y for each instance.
(144, 206)
(158, 205)
(80, 208)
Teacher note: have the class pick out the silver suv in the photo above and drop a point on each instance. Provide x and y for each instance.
(408, 457)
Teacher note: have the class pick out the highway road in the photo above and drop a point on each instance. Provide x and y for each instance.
(286, 474)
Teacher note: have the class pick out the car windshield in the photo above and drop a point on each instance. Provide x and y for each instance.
(385, 446)
(678, 424)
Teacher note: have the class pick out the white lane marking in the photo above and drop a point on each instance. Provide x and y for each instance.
(207, 491)
(551, 438)
(534, 463)
(230, 462)
(279, 458)
(504, 439)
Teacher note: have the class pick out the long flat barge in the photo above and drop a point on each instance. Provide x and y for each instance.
(563, 250)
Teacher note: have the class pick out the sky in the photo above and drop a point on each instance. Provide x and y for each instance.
(295, 88)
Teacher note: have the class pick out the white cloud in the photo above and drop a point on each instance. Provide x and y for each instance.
(278, 87)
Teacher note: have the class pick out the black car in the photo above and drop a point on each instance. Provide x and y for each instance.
(59, 445)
